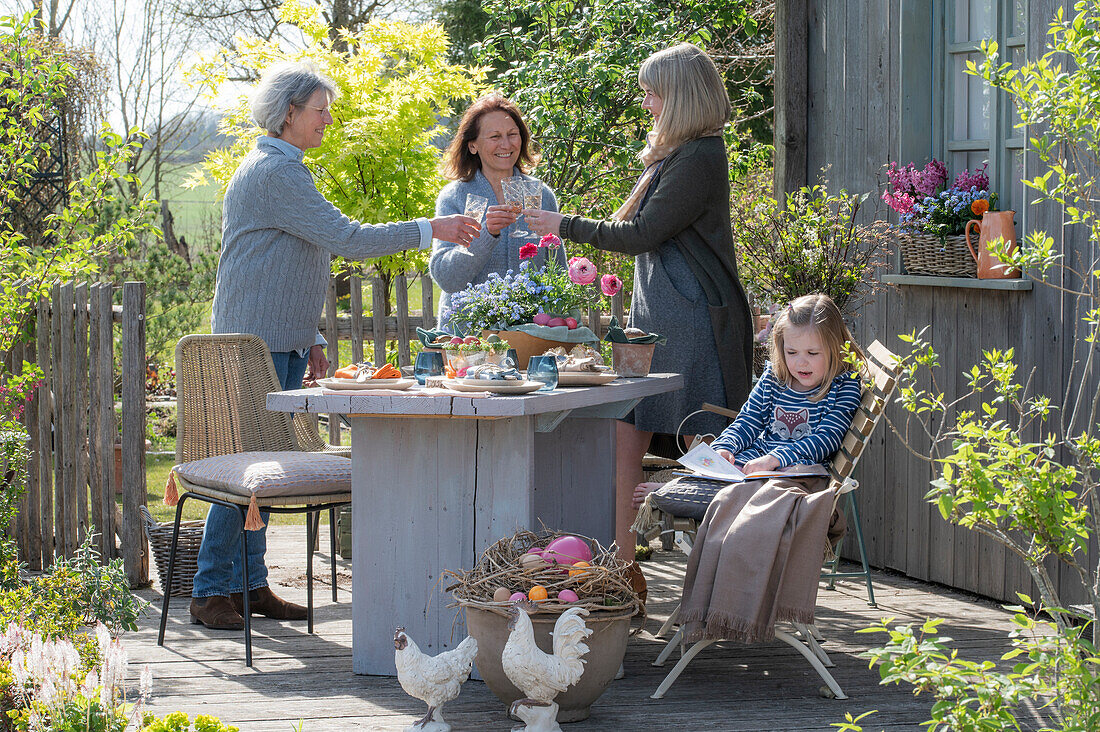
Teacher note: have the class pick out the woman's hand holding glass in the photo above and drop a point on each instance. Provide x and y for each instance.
(455, 228)
(542, 223)
(499, 217)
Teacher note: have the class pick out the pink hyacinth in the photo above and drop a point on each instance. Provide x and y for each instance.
(610, 285)
(582, 271)
(550, 240)
(527, 251)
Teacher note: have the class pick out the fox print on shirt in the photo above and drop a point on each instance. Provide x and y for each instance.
(791, 424)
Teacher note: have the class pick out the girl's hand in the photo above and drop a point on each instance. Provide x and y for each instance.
(497, 217)
(727, 455)
(543, 222)
(761, 464)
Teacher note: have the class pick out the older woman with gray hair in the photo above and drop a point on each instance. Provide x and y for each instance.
(278, 237)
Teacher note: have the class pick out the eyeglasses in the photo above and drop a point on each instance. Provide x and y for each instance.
(322, 110)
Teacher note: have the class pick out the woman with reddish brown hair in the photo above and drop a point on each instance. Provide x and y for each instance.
(492, 143)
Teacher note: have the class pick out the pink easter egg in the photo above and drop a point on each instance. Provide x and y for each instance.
(517, 596)
(567, 596)
(567, 550)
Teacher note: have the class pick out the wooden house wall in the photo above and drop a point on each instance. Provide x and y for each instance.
(868, 100)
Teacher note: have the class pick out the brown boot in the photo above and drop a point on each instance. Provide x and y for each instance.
(262, 601)
(215, 612)
(637, 581)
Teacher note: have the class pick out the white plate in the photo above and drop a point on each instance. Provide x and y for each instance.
(496, 387)
(585, 378)
(353, 385)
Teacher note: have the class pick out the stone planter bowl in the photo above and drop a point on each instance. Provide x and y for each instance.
(632, 359)
(606, 649)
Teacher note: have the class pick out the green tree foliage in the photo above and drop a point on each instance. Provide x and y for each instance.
(378, 161)
(67, 244)
(572, 67)
(1016, 466)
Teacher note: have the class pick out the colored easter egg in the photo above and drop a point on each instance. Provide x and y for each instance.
(578, 569)
(537, 593)
(515, 596)
(501, 595)
(532, 561)
(568, 550)
(567, 596)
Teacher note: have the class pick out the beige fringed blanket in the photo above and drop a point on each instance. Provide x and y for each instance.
(757, 559)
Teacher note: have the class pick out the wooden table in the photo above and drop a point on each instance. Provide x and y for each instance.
(438, 479)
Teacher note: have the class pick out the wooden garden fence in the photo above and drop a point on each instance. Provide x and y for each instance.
(400, 326)
(72, 425)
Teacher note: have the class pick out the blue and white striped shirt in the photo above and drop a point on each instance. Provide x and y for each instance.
(777, 420)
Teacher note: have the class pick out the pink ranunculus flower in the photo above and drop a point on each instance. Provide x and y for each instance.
(550, 240)
(582, 271)
(610, 285)
(527, 251)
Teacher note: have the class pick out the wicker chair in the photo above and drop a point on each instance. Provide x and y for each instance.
(882, 368)
(222, 382)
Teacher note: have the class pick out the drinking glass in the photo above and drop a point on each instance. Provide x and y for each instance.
(511, 359)
(514, 189)
(532, 195)
(428, 363)
(475, 209)
(544, 369)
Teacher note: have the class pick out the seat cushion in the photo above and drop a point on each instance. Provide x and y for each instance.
(271, 473)
(687, 496)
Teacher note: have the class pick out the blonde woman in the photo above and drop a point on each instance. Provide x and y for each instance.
(676, 223)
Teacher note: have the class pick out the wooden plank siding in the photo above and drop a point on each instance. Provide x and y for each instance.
(871, 86)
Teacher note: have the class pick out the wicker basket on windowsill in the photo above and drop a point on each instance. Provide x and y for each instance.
(928, 254)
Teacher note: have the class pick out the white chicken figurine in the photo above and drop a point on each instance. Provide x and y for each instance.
(540, 676)
(434, 680)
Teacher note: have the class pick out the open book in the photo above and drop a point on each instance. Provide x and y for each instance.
(704, 460)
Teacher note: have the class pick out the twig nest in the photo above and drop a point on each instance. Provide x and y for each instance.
(520, 563)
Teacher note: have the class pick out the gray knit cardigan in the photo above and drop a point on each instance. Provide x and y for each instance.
(278, 237)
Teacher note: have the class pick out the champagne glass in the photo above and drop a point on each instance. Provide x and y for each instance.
(514, 190)
(532, 195)
(475, 209)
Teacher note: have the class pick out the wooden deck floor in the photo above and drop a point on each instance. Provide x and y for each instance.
(299, 677)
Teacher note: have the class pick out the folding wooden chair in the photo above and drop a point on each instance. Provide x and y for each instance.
(222, 382)
(878, 384)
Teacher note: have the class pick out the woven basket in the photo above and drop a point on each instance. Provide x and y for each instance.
(928, 254)
(759, 358)
(187, 551)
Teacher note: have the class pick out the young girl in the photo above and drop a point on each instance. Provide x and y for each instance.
(803, 403)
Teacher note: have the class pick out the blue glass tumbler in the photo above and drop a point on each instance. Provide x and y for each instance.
(511, 358)
(544, 369)
(428, 363)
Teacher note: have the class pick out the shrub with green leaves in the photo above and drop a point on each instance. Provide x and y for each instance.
(812, 243)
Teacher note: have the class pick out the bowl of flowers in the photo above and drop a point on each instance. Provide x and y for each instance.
(932, 216)
(534, 309)
(462, 353)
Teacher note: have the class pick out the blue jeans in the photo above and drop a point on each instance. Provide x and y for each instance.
(219, 561)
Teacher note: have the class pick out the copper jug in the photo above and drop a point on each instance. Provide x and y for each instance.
(994, 225)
